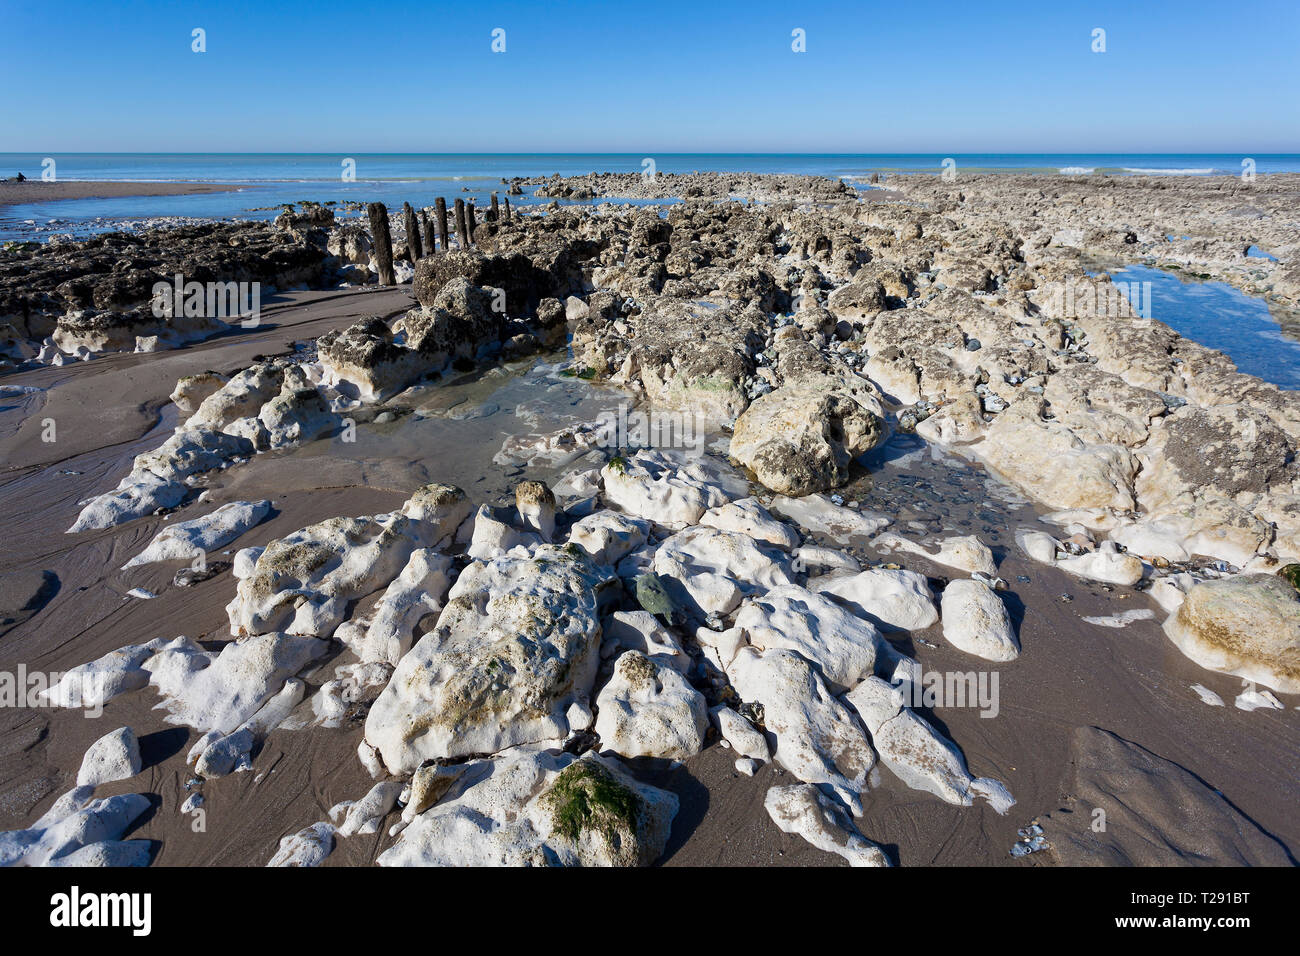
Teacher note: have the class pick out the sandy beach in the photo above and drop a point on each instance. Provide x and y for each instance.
(13, 193)
(894, 362)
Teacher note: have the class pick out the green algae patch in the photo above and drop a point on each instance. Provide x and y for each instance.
(586, 798)
(1292, 574)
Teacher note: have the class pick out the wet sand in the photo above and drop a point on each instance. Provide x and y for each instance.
(1131, 681)
(14, 193)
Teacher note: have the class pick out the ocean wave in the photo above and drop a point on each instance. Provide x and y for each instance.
(1147, 171)
(1077, 170)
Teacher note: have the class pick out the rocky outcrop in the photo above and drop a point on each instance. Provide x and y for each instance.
(516, 646)
(540, 809)
(802, 436)
(304, 583)
(1248, 626)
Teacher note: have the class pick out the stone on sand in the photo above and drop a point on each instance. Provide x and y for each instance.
(976, 621)
(1247, 625)
(803, 809)
(1157, 813)
(114, 756)
(515, 646)
(185, 540)
(539, 808)
(917, 753)
(896, 598)
(745, 739)
(817, 738)
(842, 646)
(648, 710)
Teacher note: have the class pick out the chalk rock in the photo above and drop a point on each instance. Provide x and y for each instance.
(895, 599)
(76, 823)
(298, 414)
(304, 583)
(801, 437)
(709, 571)
(747, 516)
(495, 535)
(187, 539)
(308, 847)
(743, 736)
(540, 808)
(827, 559)
(1056, 464)
(641, 631)
(516, 645)
(651, 485)
(803, 809)
(1247, 625)
(917, 753)
(819, 514)
(607, 536)
(191, 390)
(843, 647)
(817, 738)
(976, 621)
(1106, 564)
(418, 591)
(91, 685)
(650, 710)
(224, 754)
(1039, 545)
(966, 553)
(366, 814)
(535, 506)
(157, 478)
(114, 756)
(220, 690)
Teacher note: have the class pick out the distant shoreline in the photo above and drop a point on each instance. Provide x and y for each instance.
(14, 193)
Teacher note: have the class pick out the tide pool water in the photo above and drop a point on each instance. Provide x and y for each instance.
(1219, 316)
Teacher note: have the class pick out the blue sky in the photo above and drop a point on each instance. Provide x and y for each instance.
(663, 75)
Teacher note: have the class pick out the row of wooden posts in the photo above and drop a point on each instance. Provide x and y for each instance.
(466, 223)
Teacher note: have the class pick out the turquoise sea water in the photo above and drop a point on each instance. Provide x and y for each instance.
(268, 180)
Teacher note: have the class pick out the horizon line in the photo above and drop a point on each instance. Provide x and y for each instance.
(624, 152)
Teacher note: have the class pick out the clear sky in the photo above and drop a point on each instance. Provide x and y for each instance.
(659, 75)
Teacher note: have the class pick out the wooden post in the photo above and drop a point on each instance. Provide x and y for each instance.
(494, 213)
(383, 241)
(470, 220)
(441, 218)
(507, 209)
(460, 224)
(413, 250)
(426, 232)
